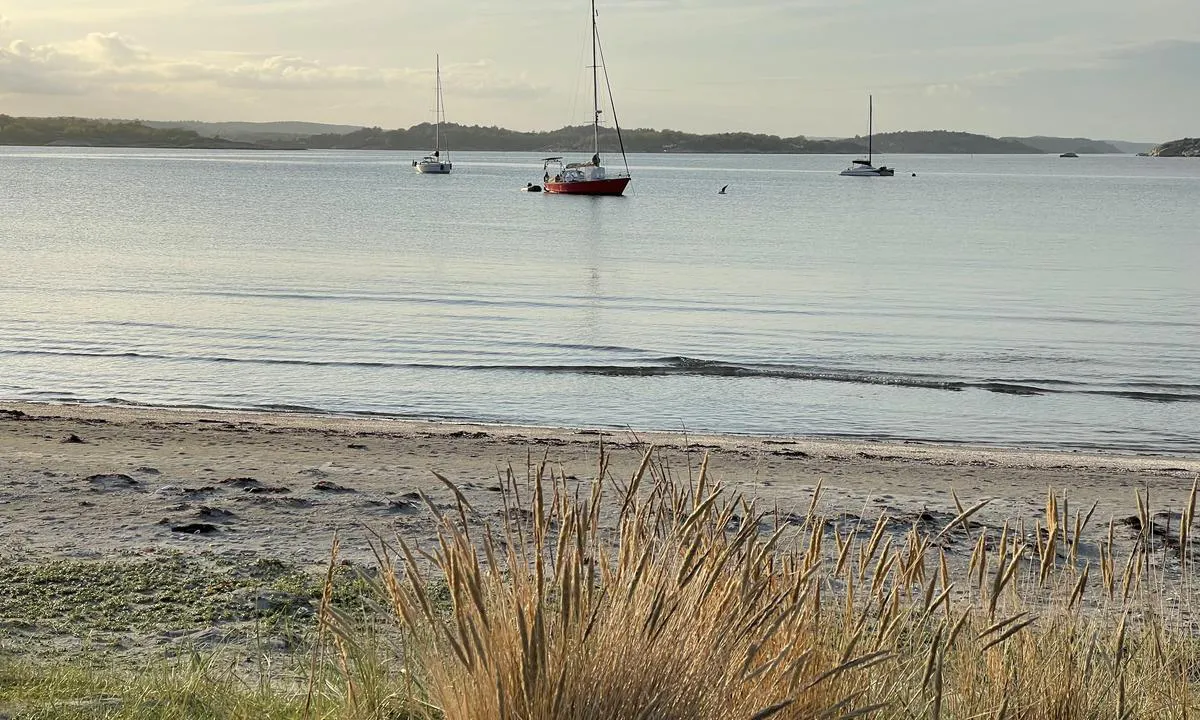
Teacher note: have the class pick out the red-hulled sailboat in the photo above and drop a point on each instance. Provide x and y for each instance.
(589, 178)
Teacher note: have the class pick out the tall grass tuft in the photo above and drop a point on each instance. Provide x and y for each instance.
(693, 603)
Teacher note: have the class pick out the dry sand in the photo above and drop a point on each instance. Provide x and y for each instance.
(97, 482)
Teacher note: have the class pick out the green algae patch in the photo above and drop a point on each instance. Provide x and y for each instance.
(75, 596)
(167, 604)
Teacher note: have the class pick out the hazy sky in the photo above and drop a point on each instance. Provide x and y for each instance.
(1114, 69)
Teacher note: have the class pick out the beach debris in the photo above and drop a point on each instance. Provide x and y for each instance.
(213, 513)
(357, 446)
(111, 481)
(202, 521)
(147, 470)
(251, 485)
(514, 514)
(186, 641)
(241, 482)
(260, 603)
(409, 502)
(327, 486)
(199, 528)
(467, 434)
(785, 452)
(13, 415)
(73, 439)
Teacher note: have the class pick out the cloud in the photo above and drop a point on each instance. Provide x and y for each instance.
(483, 80)
(947, 89)
(39, 70)
(106, 60)
(112, 49)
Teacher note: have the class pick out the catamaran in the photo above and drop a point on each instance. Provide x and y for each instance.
(864, 168)
(589, 178)
(435, 163)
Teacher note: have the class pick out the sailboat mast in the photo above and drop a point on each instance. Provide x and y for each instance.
(437, 106)
(595, 85)
(870, 125)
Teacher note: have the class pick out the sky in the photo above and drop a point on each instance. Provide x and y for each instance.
(1106, 69)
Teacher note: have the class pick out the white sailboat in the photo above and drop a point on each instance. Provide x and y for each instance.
(436, 163)
(865, 168)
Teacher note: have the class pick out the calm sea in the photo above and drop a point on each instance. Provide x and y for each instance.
(1020, 301)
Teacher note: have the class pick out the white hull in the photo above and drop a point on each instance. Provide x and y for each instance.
(868, 172)
(433, 168)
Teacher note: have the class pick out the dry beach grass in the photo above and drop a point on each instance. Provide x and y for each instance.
(680, 582)
(702, 605)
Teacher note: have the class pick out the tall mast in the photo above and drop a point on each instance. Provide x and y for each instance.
(437, 106)
(595, 85)
(870, 125)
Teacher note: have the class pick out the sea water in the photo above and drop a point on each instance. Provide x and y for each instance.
(999, 300)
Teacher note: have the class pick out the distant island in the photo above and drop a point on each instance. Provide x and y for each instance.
(257, 132)
(82, 132)
(578, 139)
(1187, 147)
(1058, 146)
(68, 131)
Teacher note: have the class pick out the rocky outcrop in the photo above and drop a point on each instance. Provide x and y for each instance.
(1187, 147)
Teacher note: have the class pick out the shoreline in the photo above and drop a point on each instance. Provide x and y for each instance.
(918, 450)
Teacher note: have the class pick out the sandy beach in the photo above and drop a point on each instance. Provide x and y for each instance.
(137, 532)
(94, 481)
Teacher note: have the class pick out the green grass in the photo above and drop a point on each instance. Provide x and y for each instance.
(73, 596)
(114, 639)
(191, 688)
(109, 602)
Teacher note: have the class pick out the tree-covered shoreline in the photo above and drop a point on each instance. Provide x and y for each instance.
(85, 132)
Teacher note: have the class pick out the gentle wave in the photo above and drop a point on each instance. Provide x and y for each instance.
(688, 366)
(625, 302)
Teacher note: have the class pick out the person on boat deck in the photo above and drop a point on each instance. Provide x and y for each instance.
(546, 177)
(596, 159)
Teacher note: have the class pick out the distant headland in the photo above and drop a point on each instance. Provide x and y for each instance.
(83, 132)
(1187, 147)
